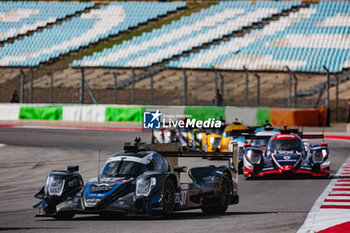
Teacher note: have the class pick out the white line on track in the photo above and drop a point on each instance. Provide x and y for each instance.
(337, 198)
(319, 219)
(336, 203)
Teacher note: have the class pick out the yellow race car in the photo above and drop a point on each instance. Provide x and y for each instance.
(226, 137)
(194, 139)
(211, 141)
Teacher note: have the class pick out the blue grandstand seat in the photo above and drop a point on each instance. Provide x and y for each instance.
(185, 34)
(17, 18)
(305, 41)
(80, 31)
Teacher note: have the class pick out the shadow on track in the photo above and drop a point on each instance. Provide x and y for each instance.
(31, 228)
(174, 216)
(290, 177)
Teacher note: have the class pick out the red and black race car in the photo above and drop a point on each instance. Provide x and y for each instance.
(287, 154)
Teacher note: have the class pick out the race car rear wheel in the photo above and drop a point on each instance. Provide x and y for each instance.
(224, 198)
(168, 201)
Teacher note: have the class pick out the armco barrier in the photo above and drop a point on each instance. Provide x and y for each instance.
(132, 114)
(40, 112)
(9, 111)
(249, 116)
(169, 112)
(298, 117)
(85, 113)
(205, 112)
(263, 115)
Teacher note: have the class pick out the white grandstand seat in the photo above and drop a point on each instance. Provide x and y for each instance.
(19, 17)
(305, 40)
(80, 31)
(183, 35)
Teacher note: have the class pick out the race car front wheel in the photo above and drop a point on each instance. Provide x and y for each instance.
(168, 202)
(223, 200)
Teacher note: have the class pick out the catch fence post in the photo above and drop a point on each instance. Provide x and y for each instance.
(82, 81)
(51, 87)
(22, 86)
(328, 120)
(246, 86)
(295, 90)
(185, 88)
(216, 88)
(258, 90)
(133, 87)
(289, 88)
(31, 85)
(151, 89)
(336, 97)
(115, 87)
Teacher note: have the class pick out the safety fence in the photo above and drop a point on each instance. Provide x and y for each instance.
(131, 113)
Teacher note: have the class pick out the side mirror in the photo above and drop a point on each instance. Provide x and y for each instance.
(73, 168)
(180, 169)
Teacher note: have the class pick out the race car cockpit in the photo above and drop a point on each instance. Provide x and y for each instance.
(133, 164)
(286, 145)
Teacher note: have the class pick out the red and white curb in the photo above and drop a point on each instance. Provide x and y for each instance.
(337, 137)
(333, 206)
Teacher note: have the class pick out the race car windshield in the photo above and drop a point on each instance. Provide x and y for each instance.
(260, 142)
(287, 145)
(123, 169)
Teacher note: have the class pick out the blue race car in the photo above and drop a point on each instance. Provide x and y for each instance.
(140, 181)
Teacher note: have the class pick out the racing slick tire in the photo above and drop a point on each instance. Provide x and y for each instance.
(168, 200)
(224, 198)
(64, 216)
(240, 170)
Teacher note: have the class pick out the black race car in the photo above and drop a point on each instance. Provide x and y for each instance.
(140, 180)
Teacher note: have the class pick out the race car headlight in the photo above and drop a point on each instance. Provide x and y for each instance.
(144, 186)
(249, 154)
(254, 156)
(54, 186)
(211, 140)
(318, 156)
(199, 136)
(324, 153)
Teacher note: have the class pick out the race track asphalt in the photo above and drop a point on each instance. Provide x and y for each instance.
(268, 205)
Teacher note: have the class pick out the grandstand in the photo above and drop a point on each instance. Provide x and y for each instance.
(80, 31)
(193, 49)
(185, 34)
(305, 41)
(19, 18)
